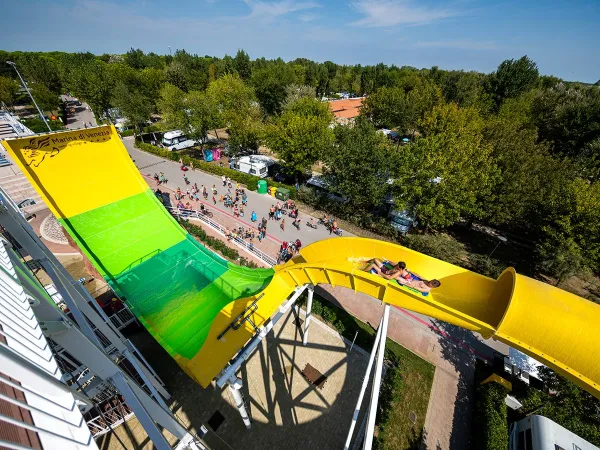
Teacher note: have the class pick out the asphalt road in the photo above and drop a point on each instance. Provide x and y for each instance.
(82, 117)
(149, 164)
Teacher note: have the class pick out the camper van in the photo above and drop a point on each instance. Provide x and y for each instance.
(257, 165)
(177, 140)
(540, 433)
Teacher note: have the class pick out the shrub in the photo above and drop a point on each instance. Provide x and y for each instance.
(216, 244)
(317, 308)
(490, 418)
(250, 181)
(126, 133)
(339, 326)
(439, 246)
(328, 314)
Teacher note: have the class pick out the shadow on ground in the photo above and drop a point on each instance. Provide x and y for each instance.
(463, 360)
(286, 410)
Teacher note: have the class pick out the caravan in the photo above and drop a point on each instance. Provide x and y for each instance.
(257, 165)
(177, 140)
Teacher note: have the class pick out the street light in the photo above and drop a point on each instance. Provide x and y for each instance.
(14, 66)
(500, 240)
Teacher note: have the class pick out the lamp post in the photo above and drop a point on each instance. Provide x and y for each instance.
(14, 66)
(500, 240)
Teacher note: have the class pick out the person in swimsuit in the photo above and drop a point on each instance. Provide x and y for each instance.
(419, 284)
(381, 270)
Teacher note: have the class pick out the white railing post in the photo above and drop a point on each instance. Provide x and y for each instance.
(377, 381)
(311, 292)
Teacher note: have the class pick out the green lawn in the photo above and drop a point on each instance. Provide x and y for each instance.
(406, 387)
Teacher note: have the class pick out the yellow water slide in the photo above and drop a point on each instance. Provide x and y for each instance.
(187, 296)
(555, 327)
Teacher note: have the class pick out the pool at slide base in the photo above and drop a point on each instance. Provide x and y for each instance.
(186, 295)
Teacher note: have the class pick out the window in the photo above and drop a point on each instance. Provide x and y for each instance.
(521, 443)
(252, 171)
(528, 440)
(263, 170)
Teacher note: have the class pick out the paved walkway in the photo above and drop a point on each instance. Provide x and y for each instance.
(149, 164)
(447, 425)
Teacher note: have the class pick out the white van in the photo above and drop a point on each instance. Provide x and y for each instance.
(257, 165)
(177, 140)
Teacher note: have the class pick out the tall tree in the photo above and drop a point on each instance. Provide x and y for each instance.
(202, 114)
(134, 105)
(171, 105)
(90, 80)
(512, 78)
(9, 90)
(450, 168)
(301, 135)
(270, 86)
(241, 64)
(359, 165)
(295, 92)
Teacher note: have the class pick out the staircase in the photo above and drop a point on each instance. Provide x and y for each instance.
(21, 191)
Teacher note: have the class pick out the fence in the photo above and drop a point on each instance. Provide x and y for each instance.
(247, 246)
(110, 418)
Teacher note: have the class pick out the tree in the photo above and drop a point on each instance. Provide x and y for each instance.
(270, 85)
(463, 88)
(295, 92)
(9, 90)
(202, 114)
(134, 106)
(568, 117)
(231, 97)
(171, 105)
(401, 107)
(301, 135)
(450, 168)
(359, 164)
(513, 78)
(46, 100)
(135, 58)
(527, 173)
(241, 64)
(175, 74)
(91, 81)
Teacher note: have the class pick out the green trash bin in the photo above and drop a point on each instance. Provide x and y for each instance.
(282, 194)
(262, 187)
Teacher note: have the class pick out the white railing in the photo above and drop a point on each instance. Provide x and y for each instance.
(247, 246)
(110, 418)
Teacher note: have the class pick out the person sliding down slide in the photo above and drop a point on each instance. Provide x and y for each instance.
(403, 276)
(419, 284)
(383, 270)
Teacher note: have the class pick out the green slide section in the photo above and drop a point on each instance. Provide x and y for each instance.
(172, 283)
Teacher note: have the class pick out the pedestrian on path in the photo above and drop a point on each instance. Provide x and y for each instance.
(224, 180)
(282, 225)
(214, 201)
(253, 216)
(192, 165)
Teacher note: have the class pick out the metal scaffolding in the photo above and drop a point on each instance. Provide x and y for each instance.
(90, 340)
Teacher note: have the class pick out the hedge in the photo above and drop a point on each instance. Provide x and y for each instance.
(126, 133)
(250, 181)
(216, 244)
(490, 419)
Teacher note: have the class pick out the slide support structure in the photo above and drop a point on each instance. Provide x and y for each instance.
(377, 380)
(363, 388)
(235, 387)
(244, 354)
(311, 292)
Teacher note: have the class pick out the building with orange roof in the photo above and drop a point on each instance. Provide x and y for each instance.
(346, 110)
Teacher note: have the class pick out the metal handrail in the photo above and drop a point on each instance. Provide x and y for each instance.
(187, 213)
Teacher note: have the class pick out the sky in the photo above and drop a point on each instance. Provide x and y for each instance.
(560, 36)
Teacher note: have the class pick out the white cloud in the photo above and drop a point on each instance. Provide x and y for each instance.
(389, 13)
(458, 44)
(309, 17)
(262, 9)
